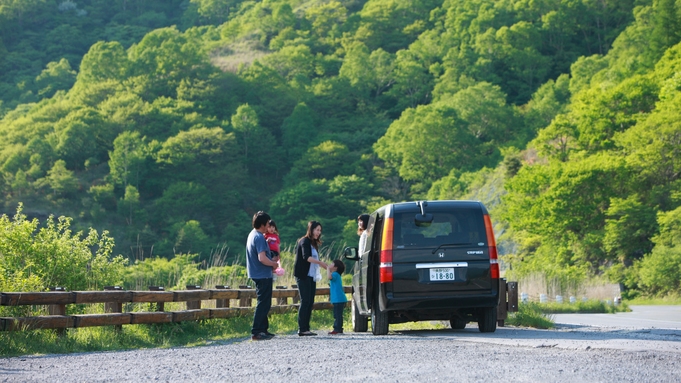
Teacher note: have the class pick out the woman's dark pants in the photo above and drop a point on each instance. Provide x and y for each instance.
(308, 289)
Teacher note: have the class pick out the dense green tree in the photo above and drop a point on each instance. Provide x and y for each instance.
(215, 11)
(56, 76)
(104, 61)
(127, 160)
(61, 180)
(458, 132)
(191, 239)
(323, 161)
(298, 131)
(250, 134)
(563, 207)
(667, 27)
(628, 229)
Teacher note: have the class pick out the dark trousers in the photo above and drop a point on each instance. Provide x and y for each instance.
(308, 289)
(263, 290)
(338, 316)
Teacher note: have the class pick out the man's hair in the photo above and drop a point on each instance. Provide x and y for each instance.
(260, 219)
(340, 266)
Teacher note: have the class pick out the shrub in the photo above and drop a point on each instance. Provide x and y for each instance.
(33, 258)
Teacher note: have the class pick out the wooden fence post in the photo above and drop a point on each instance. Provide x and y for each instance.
(193, 305)
(296, 298)
(160, 306)
(245, 302)
(222, 303)
(114, 307)
(283, 300)
(59, 309)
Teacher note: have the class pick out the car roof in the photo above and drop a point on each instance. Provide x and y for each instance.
(433, 206)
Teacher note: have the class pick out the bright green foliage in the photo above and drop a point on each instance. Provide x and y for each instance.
(173, 137)
(192, 239)
(56, 76)
(323, 161)
(61, 180)
(126, 162)
(530, 315)
(214, 11)
(459, 132)
(558, 211)
(659, 272)
(628, 229)
(34, 258)
(104, 61)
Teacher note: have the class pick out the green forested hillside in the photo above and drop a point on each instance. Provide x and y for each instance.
(169, 123)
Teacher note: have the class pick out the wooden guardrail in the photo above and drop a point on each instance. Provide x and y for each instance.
(114, 297)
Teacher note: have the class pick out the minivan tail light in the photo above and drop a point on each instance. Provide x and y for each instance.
(385, 268)
(493, 258)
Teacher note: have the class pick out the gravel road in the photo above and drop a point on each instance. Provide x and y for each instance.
(567, 354)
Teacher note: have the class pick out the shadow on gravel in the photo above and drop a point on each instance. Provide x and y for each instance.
(561, 333)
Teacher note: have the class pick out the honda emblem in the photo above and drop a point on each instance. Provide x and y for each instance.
(441, 254)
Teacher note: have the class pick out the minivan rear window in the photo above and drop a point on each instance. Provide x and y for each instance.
(460, 227)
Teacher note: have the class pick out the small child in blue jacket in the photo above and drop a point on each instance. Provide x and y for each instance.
(337, 295)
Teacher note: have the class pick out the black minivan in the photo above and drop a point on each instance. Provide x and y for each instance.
(426, 260)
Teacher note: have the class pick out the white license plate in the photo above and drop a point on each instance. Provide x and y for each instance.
(442, 274)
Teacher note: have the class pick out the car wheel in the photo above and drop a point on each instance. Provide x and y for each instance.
(457, 324)
(360, 323)
(379, 320)
(487, 319)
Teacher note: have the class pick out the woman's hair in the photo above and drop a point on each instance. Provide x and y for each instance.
(274, 225)
(340, 266)
(310, 228)
(364, 219)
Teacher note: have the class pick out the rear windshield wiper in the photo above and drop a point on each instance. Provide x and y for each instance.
(449, 245)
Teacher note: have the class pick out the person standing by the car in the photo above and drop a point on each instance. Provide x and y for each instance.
(362, 225)
(259, 265)
(307, 274)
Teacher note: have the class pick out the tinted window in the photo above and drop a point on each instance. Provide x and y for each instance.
(462, 226)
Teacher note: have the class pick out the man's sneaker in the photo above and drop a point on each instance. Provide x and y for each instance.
(270, 334)
(306, 333)
(261, 336)
(334, 332)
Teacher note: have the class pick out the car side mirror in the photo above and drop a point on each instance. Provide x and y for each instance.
(350, 253)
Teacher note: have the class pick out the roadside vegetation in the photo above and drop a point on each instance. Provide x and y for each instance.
(151, 336)
(530, 315)
(590, 306)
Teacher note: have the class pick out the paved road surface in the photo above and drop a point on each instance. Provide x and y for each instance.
(640, 317)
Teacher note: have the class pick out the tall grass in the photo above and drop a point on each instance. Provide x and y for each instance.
(530, 315)
(595, 288)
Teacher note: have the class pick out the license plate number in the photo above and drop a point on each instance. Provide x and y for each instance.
(442, 274)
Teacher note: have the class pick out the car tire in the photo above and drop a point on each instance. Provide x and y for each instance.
(360, 323)
(487, 320)
(457, 324)
(379, 320)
